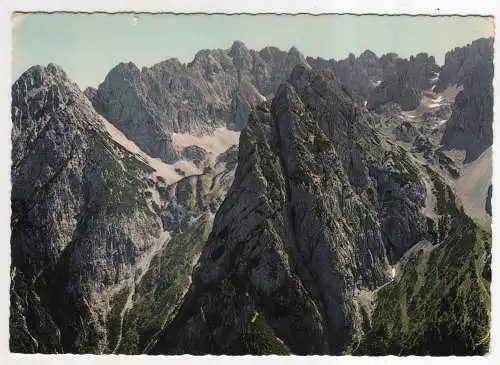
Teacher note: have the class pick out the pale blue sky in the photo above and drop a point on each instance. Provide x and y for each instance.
(87, 46)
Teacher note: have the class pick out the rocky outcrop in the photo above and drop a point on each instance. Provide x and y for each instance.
(460, 61)
(405, 132)
(229, 158)
(406, 84)
(488, 200)
(317, 206)
(197, 155)
(470, 126)
(218, 88)
(384, 79)
(360, 74)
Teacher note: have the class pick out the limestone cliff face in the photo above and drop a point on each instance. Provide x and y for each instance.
(406, 84)
(216, 89)
(319, 207)
(470, 126)
(79, 217)
(459, 62)
(384, 79)
(361, 74)
(87, 217)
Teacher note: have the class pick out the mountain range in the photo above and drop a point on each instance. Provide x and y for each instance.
(255, 202)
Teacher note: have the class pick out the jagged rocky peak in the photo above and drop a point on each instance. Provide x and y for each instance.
(368, 57)
(424, 70)
(242, 58)
(296, 57)
(472, 112)
(38, 72)
(360, 74)
(217, 89)
(405, 84)
(314, 212)
(126, 67)
(125, 74)
(169, 66)
(90, 92)
(460, 61)
(38, 76)
(38, 92)
(388, 78)
(212, 62)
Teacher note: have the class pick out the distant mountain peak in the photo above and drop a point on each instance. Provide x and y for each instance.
(238, 46)
(367, 55)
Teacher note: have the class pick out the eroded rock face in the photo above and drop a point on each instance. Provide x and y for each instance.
(385, 79)
(87, 218)
(405, 132)
(313, 215)
(488, 200)
(361, 74)
(71, 187)
(470, 126)
(218, 88)
(406, 84)
(461, 60)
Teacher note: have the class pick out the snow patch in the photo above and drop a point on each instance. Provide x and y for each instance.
(435, 78)
(451, 92)
(215, 144)
(429, 209)
(167, 171)
(411, 114)
(472, 187)
(254, 317)
(435, 103)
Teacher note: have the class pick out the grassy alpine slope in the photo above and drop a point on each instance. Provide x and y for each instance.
(439, 302)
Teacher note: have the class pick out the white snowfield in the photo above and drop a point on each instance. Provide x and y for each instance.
(167, 171)
(431, 101)
(472, 186)
(435, 103)
(451, 92)
(435, 78)
(215, 144)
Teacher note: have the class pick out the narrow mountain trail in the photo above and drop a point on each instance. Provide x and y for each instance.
(394, 270)
(368, 298)
(126, 307)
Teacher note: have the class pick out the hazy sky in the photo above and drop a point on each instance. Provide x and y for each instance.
(87, 46)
